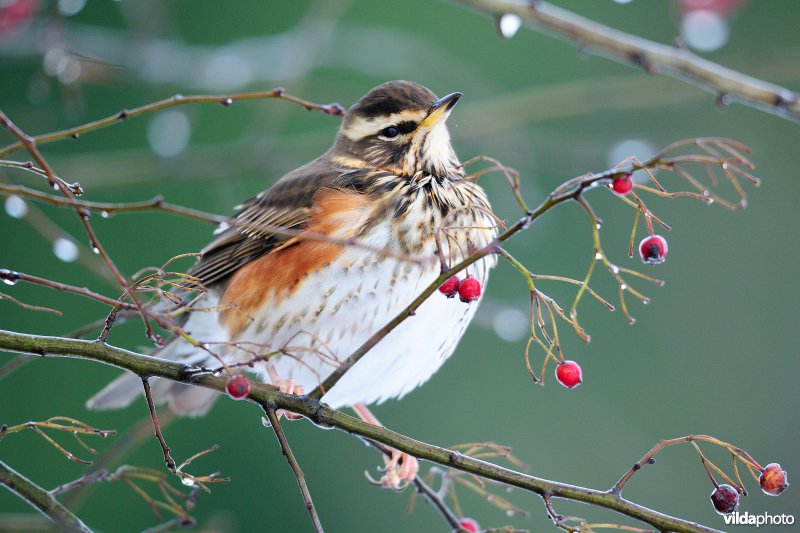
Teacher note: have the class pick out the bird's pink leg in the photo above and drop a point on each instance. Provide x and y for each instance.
(286, 386)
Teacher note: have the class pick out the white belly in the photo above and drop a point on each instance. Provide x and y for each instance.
(361, 296)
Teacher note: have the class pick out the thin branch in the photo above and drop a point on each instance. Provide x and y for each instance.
(168, 460)
(41, 500)
(11, 276)
(29, 307)
(29, 143)
(729, 85)
(322, 415)
(94, 477)
(14, 364)
(438, 503)
(294, 465)
(649, 458)
(225, 100)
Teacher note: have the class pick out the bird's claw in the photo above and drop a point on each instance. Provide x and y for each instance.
(399, 471)
(288, 386)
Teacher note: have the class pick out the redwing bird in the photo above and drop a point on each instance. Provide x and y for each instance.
(392, 182)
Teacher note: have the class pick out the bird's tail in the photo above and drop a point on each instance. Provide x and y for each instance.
(185, 400)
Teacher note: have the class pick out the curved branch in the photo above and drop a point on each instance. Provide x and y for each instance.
(653, 57)
(320, 414)
(41, 499)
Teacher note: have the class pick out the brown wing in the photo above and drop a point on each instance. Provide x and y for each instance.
(287, 204)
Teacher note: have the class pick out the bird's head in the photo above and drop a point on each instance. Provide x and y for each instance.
(400, 127)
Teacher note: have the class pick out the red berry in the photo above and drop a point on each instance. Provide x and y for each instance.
(725, 499)
(238, 386)
(15, 12)
(468, 524)
(450, 287)
(622, 184)
(469, 289)
(569, 374)
(773, 479)
(653, 250)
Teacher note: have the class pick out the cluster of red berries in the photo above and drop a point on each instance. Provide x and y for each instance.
(468, 289)
(238, 386)
(652, 249)
(725, 498)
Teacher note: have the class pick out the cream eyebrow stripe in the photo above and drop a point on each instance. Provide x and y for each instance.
(364, 127)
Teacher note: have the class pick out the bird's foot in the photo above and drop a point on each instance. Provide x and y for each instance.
(399, 470)
(289, 386)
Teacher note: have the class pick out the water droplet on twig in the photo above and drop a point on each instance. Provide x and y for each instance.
(509, 25)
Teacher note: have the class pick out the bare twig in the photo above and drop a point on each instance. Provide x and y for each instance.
(187, 479)
(94, 477)
(29, 307)
(435, 499)
(225, 100)
(168, 460)
(64, 424)
(11, 276)
(649, 458)
(729, 85)
(275, 424)
(29, 143)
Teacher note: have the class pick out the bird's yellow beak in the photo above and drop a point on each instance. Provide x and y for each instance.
(440, 110)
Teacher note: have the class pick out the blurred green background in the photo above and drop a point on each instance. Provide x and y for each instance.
(716, 352)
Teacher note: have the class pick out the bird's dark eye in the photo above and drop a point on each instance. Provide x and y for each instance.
(390, 132)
